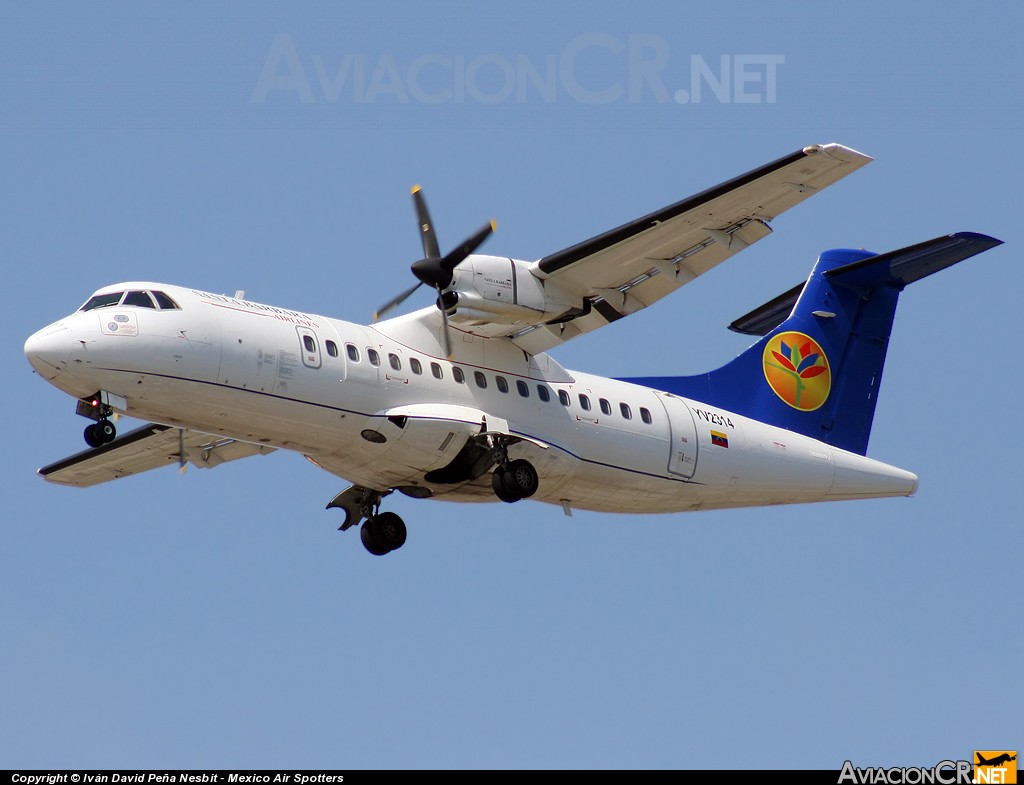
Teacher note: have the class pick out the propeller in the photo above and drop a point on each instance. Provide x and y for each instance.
(433, 269)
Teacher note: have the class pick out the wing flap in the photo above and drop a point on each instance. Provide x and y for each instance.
(148, 447)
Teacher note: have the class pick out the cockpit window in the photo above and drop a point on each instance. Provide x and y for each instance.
(165, 302)
(138, 299)
(102, 301)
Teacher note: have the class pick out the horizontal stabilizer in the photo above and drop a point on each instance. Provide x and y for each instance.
(765, 318)
(894, 268)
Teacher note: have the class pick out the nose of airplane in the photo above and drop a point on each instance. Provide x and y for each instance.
(48, 350)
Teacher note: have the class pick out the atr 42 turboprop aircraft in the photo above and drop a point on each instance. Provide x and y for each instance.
(461, 401)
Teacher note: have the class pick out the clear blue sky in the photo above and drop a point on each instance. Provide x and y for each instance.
(219, 620)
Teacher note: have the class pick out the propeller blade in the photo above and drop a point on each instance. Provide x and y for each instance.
(433, 269)
(430, 249)
(395, 302)
(455, 257)
(445, 336)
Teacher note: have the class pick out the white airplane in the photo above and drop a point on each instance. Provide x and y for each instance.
(461, 401)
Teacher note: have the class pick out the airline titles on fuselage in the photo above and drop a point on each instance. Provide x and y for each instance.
(295, 317)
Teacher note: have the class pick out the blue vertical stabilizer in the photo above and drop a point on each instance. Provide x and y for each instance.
(818, 368)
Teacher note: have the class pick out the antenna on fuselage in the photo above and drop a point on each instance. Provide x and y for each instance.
(181, 451)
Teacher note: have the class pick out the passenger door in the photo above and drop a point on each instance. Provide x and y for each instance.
(682, 457)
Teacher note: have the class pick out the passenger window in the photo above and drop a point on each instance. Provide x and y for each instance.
(415, 366)
(395, 361)
(502, 384)
(606, 408)
(563, 397)
(165, 302)
(308, 342)
(584, 402)
(625, 411)
(542, 393)
(138, 299)
(352, 352)
(458, 375)
(374, 357)
(523, 387)
(481, 380)
(436, 370)
(645, 415)
(332, 348)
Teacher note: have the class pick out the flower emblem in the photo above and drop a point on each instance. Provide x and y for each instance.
(797, 370)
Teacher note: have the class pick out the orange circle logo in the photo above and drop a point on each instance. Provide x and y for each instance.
(797, 370)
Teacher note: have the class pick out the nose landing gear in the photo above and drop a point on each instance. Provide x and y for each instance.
(102, 430)
(99, 433)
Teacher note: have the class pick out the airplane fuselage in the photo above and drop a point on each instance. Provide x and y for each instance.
(362, 403)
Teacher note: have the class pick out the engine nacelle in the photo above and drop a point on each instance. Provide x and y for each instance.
(489, 289)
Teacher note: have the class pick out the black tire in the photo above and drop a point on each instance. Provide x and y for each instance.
(92, 438)
(106, 431)
(503, 486)
(368, 536)
(389, 530)
(522, 477)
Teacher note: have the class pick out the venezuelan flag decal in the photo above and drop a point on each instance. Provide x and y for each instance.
(797, 370)
(720, 439)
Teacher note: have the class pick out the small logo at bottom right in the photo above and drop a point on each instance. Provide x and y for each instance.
(995, 766)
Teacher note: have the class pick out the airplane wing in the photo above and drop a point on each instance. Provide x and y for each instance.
(148, 447)
(628, 268)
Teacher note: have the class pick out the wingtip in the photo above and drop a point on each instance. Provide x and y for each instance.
(978, 237)
(494, 225)
(840, 151)
(415, 189)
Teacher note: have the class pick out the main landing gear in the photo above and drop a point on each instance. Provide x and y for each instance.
(381, 532)
(512, 480)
